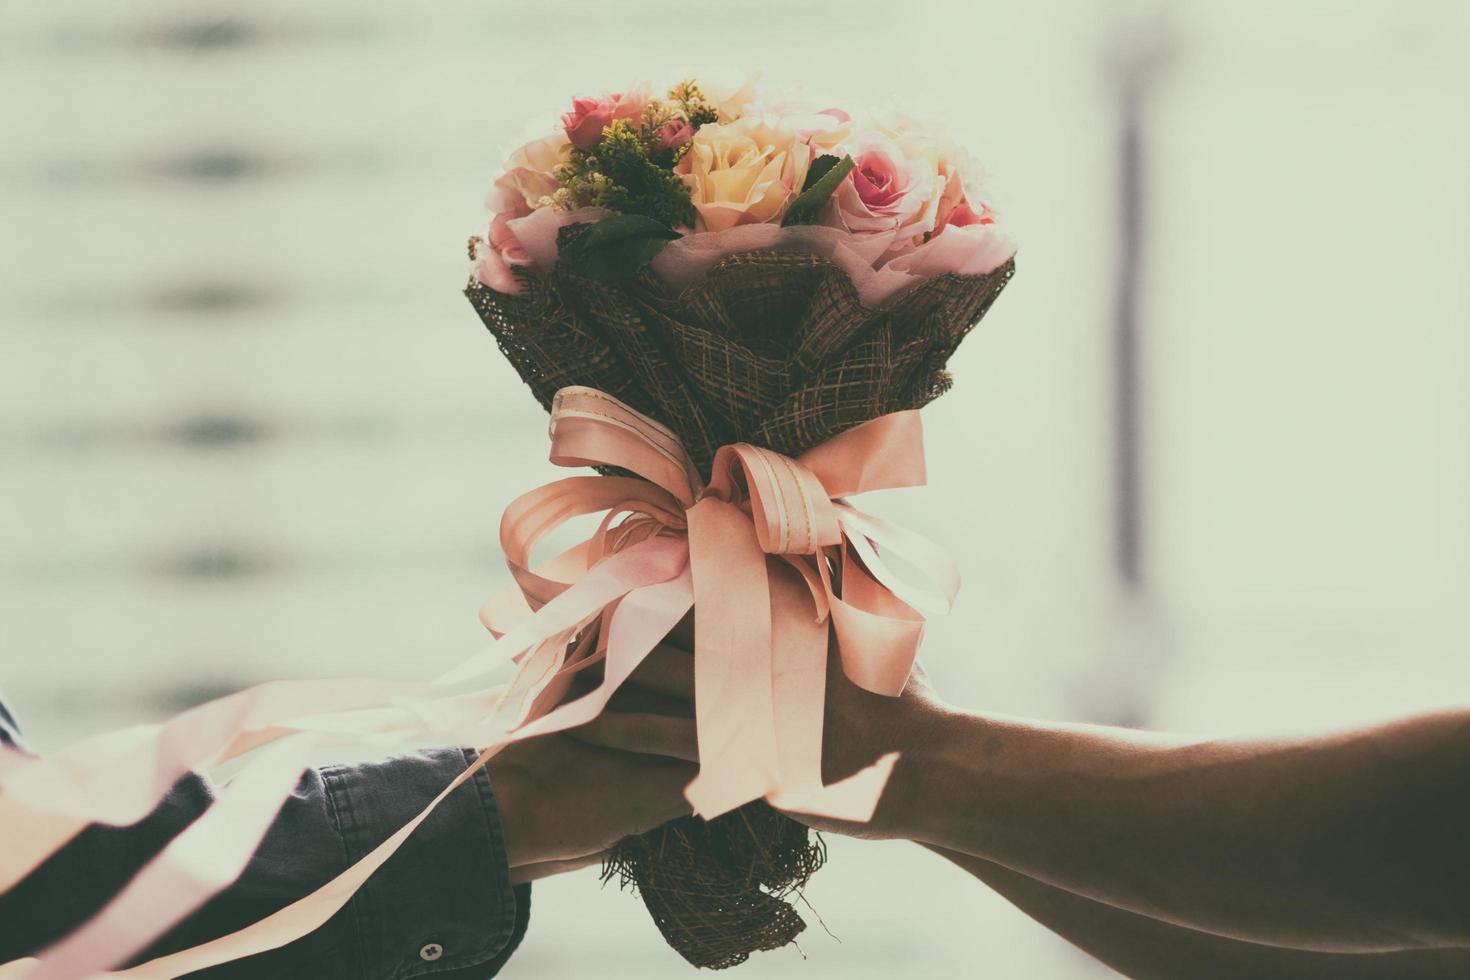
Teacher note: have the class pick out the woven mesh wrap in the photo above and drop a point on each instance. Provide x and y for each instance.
(772, 348)
(720, 890)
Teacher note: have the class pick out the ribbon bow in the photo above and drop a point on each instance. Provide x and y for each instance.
(768, 552)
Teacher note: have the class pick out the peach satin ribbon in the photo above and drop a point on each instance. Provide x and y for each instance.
(768, 552)
(774, 552)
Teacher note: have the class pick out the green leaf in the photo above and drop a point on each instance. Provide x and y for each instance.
(809, 203)
(819, 169)
(618, 246)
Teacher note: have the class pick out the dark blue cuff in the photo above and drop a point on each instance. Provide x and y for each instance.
(444, 902)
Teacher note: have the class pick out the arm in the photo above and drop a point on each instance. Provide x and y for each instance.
(451, 903)
(1149, 949)
(334, 816)
(1347, 842)
(1354, 842)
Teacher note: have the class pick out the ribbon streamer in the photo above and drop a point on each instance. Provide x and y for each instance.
(768, 552)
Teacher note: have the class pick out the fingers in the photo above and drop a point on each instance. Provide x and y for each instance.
(667, 797)
(647, 734)
(668, 671)
(633, 699)
(545, 869)
(662, 684)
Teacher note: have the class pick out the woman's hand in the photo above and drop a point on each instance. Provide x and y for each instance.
(858, 728)
(1341, 842)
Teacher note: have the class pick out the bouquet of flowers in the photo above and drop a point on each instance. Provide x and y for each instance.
(758, 292)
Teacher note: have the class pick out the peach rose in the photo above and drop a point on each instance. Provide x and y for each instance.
(744, 172)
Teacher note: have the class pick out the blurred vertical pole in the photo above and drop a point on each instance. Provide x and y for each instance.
(1139, 48)
(1128, 525)
(1119, 686)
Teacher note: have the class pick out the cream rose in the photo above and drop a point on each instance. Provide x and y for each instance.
(744, 172)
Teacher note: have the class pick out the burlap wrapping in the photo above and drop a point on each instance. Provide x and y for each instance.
(772, 348)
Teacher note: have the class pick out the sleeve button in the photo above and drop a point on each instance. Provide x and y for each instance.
(431, 952)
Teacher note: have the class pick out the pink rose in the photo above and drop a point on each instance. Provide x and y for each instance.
(675, 133)
(878, 182)
(589, 117)
(955, 208)
(964, 215)
(966, 250)
(954, 203)
(495, 258)
(886, 193)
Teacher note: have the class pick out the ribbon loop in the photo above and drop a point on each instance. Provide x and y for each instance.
(792, 511)
(775, 552)
(886, 453)
(592, 428)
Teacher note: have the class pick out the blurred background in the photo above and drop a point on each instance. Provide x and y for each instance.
(1206, 465)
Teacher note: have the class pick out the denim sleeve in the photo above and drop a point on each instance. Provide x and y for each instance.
(442, 906)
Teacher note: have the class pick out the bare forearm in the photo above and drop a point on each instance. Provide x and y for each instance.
(1353, 843)
(1148, 949)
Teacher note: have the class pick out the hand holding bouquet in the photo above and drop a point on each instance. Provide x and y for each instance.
(740, 301)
